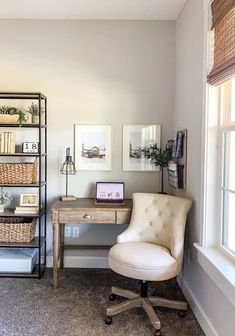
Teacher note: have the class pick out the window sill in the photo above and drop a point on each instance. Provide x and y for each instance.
(220, 269)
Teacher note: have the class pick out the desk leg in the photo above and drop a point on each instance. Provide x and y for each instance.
(56, 228)
(62, 246)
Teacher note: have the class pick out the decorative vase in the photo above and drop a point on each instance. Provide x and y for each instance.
(28, 117)
(1, 207)
(35, 119)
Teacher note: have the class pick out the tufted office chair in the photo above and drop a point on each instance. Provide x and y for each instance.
(151, 249)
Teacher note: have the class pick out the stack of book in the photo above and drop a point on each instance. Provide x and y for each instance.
(27, 210)
(7, 142)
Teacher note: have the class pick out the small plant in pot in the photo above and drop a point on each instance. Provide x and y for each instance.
(11, 115)
(5, 199)
(161, 157)
(33, 109)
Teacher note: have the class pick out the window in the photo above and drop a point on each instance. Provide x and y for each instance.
(227, 165)
(216, 251)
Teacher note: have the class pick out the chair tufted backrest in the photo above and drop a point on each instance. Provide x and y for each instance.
(160, 219)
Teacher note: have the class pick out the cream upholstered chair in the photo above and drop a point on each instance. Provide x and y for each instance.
(151, 249)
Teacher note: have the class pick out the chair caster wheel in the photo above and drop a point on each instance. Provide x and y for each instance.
(108, 320)
(112, 297)
(182, 313)
(157, 333)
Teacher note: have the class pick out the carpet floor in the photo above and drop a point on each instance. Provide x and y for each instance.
(30, 307)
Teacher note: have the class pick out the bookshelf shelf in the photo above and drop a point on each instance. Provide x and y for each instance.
(23, 154)
(39, 133)
(35, 243)
(37, 273)
(32, 185)
(10, 213)
(23, 125)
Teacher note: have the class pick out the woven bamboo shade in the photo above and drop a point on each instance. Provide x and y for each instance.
(223, 44)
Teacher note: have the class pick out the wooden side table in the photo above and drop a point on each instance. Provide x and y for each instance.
(82, 211)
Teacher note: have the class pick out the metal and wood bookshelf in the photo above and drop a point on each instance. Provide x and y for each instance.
(39, 242)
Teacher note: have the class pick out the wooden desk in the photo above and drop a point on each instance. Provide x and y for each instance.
(82, 211)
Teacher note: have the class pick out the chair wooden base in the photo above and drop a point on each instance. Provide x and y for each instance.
(147, 303)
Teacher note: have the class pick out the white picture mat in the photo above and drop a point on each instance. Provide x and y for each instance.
(87, 139)
(28, 200)
(140, 135)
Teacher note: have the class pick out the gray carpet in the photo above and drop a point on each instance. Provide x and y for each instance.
(77, 308)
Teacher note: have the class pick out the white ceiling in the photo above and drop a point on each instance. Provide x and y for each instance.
(91, 9)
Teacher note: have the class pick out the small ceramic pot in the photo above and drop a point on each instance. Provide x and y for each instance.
(35, 119)
(1, 208)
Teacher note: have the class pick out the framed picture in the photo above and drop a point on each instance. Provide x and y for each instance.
(138, 143)
(93, 147)
(29, 200)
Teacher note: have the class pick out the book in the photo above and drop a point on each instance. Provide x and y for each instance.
(5, 142)
(8, 142)
(26, 210)
(12, 142)
(1, 142)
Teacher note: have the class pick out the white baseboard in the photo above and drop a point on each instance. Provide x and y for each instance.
(93, 259)
(197, 309)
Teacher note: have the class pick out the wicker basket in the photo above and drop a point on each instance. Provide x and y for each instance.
(17, 230)
(18, 173)
(9, 119)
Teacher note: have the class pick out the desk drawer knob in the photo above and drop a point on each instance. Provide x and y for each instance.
(86, 216)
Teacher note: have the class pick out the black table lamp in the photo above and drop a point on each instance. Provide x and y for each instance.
(68, 168)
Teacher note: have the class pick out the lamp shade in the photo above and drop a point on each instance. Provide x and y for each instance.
(68, 167)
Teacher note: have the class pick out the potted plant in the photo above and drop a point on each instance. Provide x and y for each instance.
(33, 109)
(5, 199)
(161, 158)
(11, 115)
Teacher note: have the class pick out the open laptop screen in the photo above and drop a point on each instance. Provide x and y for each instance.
(110, 191)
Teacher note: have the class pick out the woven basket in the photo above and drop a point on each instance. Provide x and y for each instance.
(17, 230)
(9, 119)
(18, 173)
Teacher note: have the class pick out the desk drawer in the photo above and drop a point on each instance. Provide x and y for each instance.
(89, 216)
(123, 217)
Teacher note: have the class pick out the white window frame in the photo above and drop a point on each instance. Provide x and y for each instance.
(223, 129)
(212, 257)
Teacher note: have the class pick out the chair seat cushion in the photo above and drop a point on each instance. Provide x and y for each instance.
(144, 261)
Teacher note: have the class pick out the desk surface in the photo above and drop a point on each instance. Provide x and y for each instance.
(88, 204)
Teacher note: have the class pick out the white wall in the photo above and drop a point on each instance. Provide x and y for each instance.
(111, 72)
(212, 308)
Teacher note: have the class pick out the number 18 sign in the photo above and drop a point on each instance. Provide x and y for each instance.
(30, 147)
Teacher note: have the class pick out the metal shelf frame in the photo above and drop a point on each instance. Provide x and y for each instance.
(38, 242)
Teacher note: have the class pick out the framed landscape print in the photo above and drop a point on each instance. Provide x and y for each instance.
(93, 147)
(138, 142)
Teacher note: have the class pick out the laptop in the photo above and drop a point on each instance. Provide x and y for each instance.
(110, 193)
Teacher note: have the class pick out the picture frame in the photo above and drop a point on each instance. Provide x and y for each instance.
(138, 142)
(29, 200)
(93, 147)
